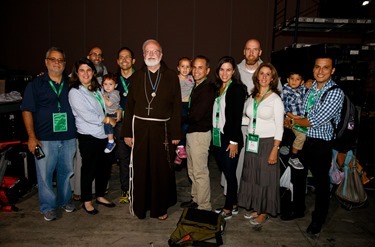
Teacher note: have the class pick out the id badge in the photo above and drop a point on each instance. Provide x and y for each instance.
(252, 143)
(216, 141)
(60, 122)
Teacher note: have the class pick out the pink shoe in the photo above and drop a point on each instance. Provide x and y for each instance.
(177, 160)
(180, 151)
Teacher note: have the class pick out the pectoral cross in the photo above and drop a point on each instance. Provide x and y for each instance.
(148, 109)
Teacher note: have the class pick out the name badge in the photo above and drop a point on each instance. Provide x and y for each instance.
(252, 143)
(216, 141)
(60, 122)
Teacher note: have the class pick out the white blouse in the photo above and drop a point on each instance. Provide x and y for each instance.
(270, 117)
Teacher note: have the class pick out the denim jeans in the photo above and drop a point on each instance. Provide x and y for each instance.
(59, 158)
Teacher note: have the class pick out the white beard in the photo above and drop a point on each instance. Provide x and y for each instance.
(152, 63)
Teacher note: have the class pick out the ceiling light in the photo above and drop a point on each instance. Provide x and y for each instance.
(365, 3)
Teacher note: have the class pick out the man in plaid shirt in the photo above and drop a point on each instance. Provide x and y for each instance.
(318, 145)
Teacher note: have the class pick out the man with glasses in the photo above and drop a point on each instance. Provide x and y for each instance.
(96, 56)
(152, 123)
(125, 61)
(50, 126)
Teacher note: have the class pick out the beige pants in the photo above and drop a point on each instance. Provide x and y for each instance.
(299, 140)
(197, 147)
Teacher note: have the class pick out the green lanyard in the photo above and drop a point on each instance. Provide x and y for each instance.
(313, 96)
(255, 110)
(218, 99)
(124, 86)
(57, 92)
(99, 97)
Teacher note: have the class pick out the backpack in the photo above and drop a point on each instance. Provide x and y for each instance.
(196, 226)
(346, 131)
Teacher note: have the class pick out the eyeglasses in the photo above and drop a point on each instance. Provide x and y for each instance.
(148, 52)
(55, 60)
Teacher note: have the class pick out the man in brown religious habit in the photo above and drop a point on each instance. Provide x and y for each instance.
(152, 124)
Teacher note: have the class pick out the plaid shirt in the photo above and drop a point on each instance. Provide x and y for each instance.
(293, 99)
(322, 112)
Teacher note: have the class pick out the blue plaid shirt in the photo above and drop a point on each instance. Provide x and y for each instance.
(293, 99)
(322, 112)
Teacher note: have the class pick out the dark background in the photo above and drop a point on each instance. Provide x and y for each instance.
(184, 28)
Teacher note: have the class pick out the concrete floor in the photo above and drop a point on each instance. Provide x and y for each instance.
(116, 227)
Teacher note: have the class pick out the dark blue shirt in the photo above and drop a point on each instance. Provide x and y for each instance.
(40, 99)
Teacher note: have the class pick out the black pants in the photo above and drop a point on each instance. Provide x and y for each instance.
(318, 156)
(95, 165)
(122, 153)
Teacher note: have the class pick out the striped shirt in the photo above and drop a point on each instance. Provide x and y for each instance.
(322, 112)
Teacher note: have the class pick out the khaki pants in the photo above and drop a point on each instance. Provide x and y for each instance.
(197, 147)
(299, 140)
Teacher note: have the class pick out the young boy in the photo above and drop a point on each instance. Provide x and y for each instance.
(292, 95)
(112, 104)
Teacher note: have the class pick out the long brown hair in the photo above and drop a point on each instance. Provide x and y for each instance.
(274, 81)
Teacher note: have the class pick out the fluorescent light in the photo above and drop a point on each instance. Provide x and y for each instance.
(365, 3)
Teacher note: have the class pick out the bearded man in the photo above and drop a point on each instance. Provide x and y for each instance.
(152, 123)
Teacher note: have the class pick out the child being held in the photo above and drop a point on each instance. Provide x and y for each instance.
(186, 84)
(112, 104)
(292, 95)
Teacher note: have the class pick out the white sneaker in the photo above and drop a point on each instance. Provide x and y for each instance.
(295, 163)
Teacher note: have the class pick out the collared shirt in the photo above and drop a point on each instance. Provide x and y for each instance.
(323, 111)
(40, 99)
(293, 99)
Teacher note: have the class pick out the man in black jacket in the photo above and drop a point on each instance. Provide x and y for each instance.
(198, 137)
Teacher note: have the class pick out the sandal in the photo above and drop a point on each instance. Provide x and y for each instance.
(163, 217)
(258, 221)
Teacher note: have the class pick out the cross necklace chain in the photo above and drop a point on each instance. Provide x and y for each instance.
(154, 87)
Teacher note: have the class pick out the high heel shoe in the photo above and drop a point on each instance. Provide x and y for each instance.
(108, 205)
(92, 212)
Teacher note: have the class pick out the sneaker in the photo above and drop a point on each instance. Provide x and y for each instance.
(177, 160)
(295, 163)
(109, 148)
(234, 210)
(124, 198)
(69, 208)
(226, 216)
(180, 151)
(189, 204)
(50, 215)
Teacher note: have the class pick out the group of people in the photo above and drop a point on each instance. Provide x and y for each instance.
(153, 118)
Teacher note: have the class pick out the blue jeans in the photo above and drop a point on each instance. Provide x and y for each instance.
(59, 157)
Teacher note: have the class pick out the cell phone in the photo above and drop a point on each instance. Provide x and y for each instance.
(39, 154)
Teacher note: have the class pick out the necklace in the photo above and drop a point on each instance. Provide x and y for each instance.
(153, 94)
(154, 86)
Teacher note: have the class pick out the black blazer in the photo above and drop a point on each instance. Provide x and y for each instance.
(234, 103)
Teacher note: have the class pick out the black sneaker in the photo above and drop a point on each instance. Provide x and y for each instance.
(314, 228)
(189, 204)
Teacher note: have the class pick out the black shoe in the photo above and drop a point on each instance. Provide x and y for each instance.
(92, 212)
(291, 216)
(189, 204)
(108, 205)
(314, 228)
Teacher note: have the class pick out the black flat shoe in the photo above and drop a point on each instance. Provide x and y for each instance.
(314, 228)
(108, 205)
(92, 212)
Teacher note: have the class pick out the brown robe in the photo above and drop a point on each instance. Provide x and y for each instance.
(152, 184)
